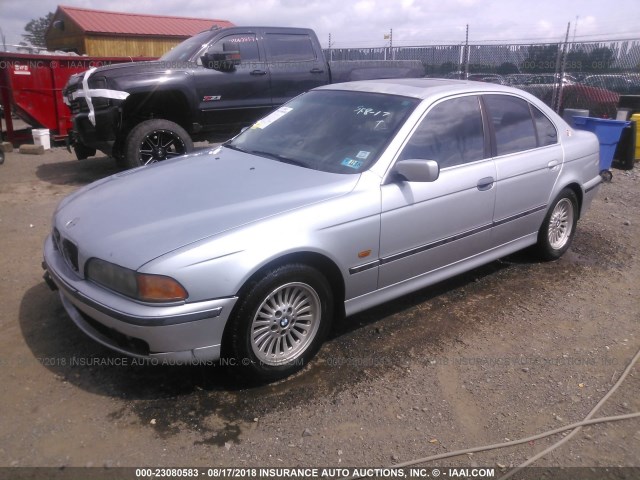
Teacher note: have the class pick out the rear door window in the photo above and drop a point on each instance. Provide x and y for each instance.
(512, 124)
(546, 130)
(290, 47)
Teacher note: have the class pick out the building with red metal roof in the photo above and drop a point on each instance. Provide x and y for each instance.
(107, 34)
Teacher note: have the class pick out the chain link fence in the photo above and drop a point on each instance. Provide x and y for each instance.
(589, 76)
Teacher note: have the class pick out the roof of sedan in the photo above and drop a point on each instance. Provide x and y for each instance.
(417, 87)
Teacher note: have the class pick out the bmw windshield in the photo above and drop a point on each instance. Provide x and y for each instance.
(328, 130)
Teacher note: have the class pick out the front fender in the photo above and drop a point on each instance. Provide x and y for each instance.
(149, 92)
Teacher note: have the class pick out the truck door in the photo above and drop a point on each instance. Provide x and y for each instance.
(295, 65)
(233, 97)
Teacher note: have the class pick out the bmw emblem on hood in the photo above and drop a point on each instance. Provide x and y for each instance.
(72, 223)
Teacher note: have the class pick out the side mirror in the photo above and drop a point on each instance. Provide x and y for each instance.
(417, 170)
(225, 61)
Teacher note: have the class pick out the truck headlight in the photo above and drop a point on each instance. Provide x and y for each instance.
(99, 83)
(139, 286)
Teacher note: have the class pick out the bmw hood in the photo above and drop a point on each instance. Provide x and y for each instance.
(138, 215)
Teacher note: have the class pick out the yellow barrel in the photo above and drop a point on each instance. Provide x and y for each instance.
(636, 118)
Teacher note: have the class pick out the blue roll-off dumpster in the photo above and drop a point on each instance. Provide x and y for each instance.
(608, 133)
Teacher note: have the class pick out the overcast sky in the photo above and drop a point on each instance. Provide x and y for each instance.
(356, 23)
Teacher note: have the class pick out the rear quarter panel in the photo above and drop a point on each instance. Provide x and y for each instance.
(581, 164)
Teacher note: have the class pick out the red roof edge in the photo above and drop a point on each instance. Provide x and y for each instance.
(67, 8)
(70, 11)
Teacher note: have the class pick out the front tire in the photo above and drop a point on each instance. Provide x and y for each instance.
(559, 226)
(279, 323)
(154, 141)
(82, 151)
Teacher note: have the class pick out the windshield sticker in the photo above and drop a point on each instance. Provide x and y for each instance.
(269, 119)
(351, 163)
(363, 154)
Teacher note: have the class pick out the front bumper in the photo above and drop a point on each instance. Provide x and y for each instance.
(101, 136)
(185, 333)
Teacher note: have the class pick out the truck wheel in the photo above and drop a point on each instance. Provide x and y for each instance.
(156, 140)
(82, 151)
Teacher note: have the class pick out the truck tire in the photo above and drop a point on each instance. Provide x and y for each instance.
(156, 140)
(82, 151)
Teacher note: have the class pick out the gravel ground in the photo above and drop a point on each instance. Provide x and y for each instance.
(505, 351)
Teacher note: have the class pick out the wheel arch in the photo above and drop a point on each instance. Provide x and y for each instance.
(575, 187)
(236, 341)
(161, 104)
(322, 263)
(559, 224)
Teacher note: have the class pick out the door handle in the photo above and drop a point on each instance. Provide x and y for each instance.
(553, 163)
(485, 183)
(316, 70)
(258, 72)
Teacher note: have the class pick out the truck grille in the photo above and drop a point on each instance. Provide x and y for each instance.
(76, 105)
(79, 104)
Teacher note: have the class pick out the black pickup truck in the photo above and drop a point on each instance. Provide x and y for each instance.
(207, 88)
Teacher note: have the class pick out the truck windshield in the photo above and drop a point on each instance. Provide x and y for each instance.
(186, 50)
(328, 130)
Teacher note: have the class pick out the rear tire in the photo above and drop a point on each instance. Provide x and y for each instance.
(559, 226)
(279, 323)
(154, 141)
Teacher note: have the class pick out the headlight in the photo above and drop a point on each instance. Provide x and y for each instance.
(140, 286)
(98, 83)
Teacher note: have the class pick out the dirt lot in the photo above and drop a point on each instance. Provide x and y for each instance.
(506, 351)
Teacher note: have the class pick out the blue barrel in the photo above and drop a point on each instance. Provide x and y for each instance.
(569, 113)
(608, 133)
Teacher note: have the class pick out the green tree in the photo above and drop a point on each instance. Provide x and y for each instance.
(448, 67)
(36, 28)
(506, 68)
(600, 60)
(541, 59)
(577, 61)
